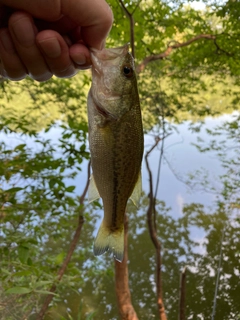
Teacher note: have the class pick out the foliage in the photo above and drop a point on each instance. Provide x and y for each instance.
(38, 205)
(38, 216)
(43, 149)
(190, 78)
(36, 106)
(190, 81)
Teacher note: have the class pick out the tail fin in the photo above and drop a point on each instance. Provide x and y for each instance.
(108, 240)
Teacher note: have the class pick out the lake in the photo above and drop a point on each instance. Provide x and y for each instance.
(195, 242)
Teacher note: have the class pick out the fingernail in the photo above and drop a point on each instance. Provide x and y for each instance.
(6, 41)
(24, 33)
(80, 59)
(43, 77)
(70, 71)
(3, 73)
(51, 47)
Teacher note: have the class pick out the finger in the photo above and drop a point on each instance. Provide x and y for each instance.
(80, 55)
(11, 63)
(23, 34)
(56, 53)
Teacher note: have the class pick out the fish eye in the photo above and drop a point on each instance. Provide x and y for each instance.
(127, 71)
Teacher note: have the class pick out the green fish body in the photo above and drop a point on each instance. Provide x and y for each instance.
(116, 143)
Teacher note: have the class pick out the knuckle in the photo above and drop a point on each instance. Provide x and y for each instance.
(109, 18)
(18, 15)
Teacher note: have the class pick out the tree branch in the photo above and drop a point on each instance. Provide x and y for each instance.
(182, 298)
(70, 251)
(131, 20)
(153, 234)
(219, 50)
(125, 306)
(170, 48)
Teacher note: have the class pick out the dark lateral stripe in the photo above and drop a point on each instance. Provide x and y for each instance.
(114, 208)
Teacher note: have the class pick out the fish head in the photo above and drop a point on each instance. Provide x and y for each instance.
(113, 81)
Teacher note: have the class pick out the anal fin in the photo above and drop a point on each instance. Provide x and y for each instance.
(93, 193)
(137, 191)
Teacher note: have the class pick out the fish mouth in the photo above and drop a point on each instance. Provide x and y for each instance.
(109, 54)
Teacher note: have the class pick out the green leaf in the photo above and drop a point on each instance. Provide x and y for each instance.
(20, 147)
(45, 292)
(52, 182)
(90, 316)
(22, 273)
(23, 254)
(5, 271)
(59, 258)
(70, 201)
(42, 283)
(70, 188)
(19, 290)
(15, 189)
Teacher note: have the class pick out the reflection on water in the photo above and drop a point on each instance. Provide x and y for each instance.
(190, 227)
(181, 158)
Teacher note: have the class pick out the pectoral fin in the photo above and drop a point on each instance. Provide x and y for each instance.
(93, 193)
(136, 195)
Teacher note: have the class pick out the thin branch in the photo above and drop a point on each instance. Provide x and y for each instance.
(182, 298)
(219, 50)
(170, 48)
(131, 20)
(218, 274)
(153, 235)
(70, 251)
(161, 153)
(124, 301)
(137, 5)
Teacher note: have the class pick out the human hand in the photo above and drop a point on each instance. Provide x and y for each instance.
(41, 38)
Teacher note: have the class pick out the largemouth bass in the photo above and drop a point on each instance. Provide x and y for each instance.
(116, 143)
